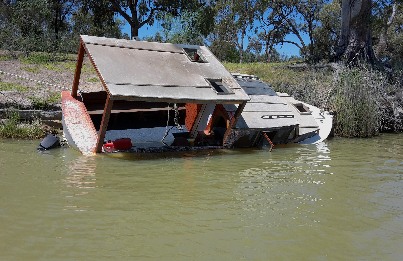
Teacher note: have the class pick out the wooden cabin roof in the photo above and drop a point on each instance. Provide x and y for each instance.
(145, 71)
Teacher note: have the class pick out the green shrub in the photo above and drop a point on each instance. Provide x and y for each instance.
(356, 101)
(14, 129)
(34, 69)
(45, 103)
(93, 79)
(42, 58)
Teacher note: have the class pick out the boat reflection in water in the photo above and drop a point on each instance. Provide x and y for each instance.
(287, 180)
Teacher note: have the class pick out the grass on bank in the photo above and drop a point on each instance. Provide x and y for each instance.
(57, 62)
(13, 128)
(8, 86)
(45, 103)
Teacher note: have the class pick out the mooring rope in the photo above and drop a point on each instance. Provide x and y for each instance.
(30, 79)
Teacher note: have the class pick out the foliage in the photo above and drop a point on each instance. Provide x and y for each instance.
(234, 23)
(13, 128)
(245, 31)
(45, 103)
(8, 86)
(53, 25)
(96, 18)
(388, 28)
(144, 12)
(189, 28)
(356, 102)
(327, 35)
(41, 58)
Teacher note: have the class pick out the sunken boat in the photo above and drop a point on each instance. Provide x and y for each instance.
(168, 97)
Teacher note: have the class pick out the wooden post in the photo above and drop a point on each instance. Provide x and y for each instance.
(79, 65)
(233, 121)
(104, 124)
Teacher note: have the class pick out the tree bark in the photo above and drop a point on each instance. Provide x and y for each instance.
(383, 37)
(355, 40)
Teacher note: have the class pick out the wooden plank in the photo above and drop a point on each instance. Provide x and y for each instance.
(77, 74)
(104, 124)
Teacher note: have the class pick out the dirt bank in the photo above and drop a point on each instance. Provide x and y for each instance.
(28, 85)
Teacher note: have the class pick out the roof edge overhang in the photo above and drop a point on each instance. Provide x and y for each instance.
(87, 42)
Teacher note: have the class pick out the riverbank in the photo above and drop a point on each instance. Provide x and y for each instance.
(365, 102)
(30, 91)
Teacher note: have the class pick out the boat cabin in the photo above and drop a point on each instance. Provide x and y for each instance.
(150, 86)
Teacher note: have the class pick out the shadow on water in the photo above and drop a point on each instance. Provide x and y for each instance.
(132, 156)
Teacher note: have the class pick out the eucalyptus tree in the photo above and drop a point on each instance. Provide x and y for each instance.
(26, 26)
(191, 27)
(388, 29)
(326, 35)
(235, 22)
(394, 36)
(271, 30)
(139, 13)
(60, 14)
(95, 17)
(355, 43)
(279, 19)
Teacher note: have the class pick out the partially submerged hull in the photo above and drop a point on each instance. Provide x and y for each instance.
(192, 103)
(274, 116)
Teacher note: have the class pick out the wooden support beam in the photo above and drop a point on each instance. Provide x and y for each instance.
(104, 124)
(233, 121)
(80, 59)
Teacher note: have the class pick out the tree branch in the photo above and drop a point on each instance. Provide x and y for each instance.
(150, 16)
(291, 42)
(392, 16)
(117, 8)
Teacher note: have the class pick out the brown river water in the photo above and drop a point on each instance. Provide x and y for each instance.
(339, 200)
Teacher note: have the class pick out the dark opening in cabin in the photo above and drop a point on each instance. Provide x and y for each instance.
(219, 86)
(194, 55)
(301, 107)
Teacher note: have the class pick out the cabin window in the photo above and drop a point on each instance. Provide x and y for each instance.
(219, 86)
(302, 108)
(194, 55)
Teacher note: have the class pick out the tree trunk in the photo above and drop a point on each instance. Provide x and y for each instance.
(134, 32)
(355, 41)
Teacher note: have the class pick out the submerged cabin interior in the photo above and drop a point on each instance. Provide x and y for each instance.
(148, 85)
